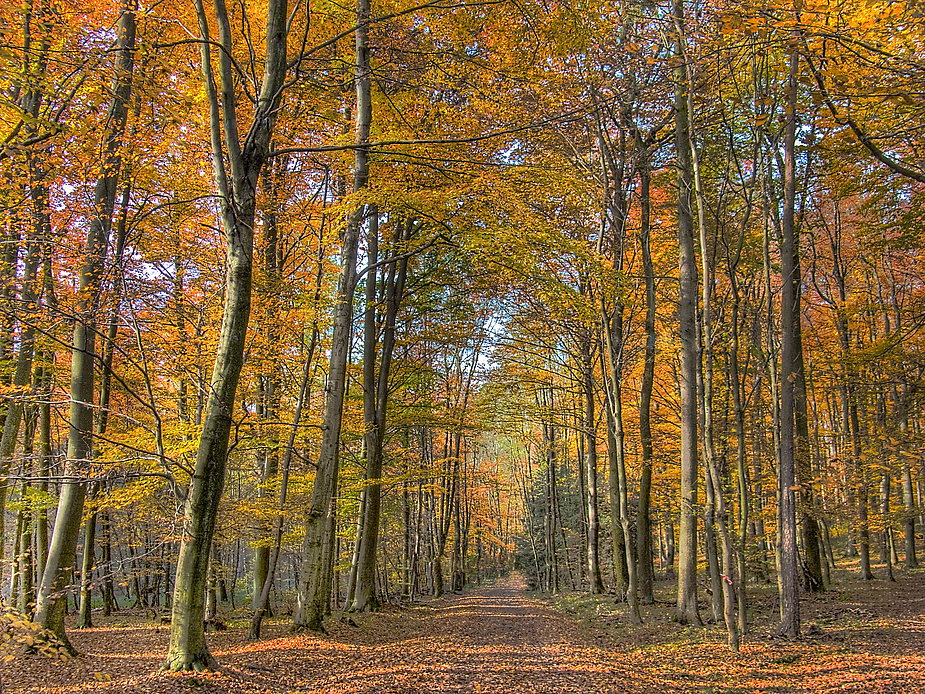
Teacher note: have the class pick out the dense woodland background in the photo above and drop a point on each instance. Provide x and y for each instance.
(310, 307)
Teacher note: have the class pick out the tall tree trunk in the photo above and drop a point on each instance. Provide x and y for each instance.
(273, 275)
(34, 67)
(263, 598)
(314, 588)
(644, 558)
(812, 567)
(612, 323)
(84, 617)
(590, 467)
(22, 374)
(911, 560)
(687, 611)
(861, 482)
(724, 592)
(237, 188)
(620, 567)
(550, 578)
(107, 587)
(360, 565)
(788, 579)
(60, 562)
(738, 404)
(87, 563)
(26, 556)
(377, 394)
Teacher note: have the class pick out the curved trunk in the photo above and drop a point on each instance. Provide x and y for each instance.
(187, 649)
(60, 563)
(187, 639)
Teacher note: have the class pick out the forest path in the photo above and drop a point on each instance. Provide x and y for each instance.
(491, 640)
(495, 639)
(502, 640)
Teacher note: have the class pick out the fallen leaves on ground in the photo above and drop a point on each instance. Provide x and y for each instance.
(501, 640)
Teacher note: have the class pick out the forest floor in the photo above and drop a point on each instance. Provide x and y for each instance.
(501, 639)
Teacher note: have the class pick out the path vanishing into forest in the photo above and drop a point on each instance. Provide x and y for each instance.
(501, 639)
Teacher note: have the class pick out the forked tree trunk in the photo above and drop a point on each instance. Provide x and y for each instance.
(237, 191)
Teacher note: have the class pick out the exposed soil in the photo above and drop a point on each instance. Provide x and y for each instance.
(503, 640)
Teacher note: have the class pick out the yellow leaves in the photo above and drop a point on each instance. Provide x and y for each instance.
(19, 635)
(136, 494)
(8, 390)
(739, 23)
(34, 500)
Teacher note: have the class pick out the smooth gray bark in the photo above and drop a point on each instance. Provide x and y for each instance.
(687, 611)
(60, 562)
(314, 588)
(237, 188)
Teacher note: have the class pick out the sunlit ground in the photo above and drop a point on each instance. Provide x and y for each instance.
(502, 640)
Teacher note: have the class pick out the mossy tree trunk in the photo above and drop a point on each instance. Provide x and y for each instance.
(314, 586)
(61, 559)
(237, 168)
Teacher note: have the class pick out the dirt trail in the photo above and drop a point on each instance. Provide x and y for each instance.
(494, 640)
(501, 640)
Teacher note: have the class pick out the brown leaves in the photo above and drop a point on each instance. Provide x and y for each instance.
(20, 635)
(500, 641)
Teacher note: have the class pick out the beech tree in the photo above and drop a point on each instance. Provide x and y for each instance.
(237, 167)
(61, 560)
